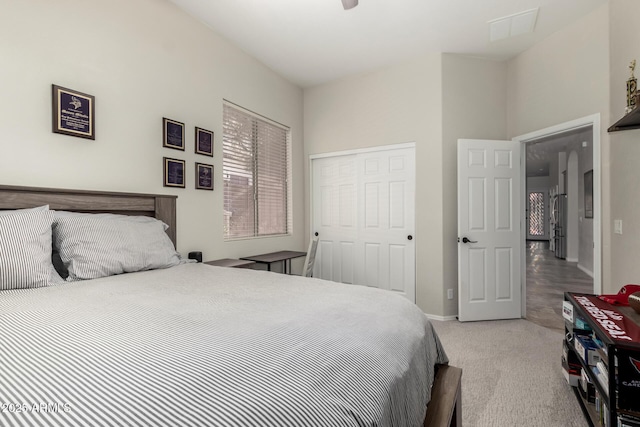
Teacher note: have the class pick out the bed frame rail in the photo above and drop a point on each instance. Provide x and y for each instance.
(445, 407)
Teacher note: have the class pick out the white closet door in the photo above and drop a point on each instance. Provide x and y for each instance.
(334, 217)
(364, 212)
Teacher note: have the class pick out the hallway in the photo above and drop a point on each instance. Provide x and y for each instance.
(548, 278)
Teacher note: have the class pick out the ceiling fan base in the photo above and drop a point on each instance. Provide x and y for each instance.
(349, 4)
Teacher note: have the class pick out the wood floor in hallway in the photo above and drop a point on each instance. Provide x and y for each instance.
(548, 278)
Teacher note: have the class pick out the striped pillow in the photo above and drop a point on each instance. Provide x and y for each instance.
(25, 248)
(101, 245)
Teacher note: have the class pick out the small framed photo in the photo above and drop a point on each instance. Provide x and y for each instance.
(172, 134)
(588, 194)
(204, 142)
(173, 172)
(73, 112)
(204, 176)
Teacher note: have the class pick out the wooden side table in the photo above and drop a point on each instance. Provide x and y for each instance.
(228, 262)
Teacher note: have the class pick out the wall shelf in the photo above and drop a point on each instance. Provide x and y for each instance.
(628, 122)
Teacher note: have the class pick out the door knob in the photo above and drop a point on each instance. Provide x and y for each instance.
(465, 240)
(410, 237)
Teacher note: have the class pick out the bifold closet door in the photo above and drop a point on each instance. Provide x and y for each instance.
(364, 212)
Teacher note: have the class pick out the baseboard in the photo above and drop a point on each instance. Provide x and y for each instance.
(571, 259)
(441, 318)
(589, 273)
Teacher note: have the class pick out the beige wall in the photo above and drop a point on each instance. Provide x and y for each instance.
(142, 60)
(474, 107)
(584, 224)
(433, 101)
(625, 148)
(155, 61)
(562, 78)
(393, 105)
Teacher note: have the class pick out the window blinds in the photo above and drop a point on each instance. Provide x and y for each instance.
(256, 170)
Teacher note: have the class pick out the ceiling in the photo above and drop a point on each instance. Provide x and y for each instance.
(542, 152)
(310, 42)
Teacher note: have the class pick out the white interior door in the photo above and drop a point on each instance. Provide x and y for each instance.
(364, 213)
(489, 230)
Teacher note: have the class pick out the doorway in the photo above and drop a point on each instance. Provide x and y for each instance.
(571, 149)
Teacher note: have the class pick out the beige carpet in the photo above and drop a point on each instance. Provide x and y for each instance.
(511, 374)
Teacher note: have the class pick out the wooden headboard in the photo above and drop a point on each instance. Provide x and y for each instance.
(162, 207)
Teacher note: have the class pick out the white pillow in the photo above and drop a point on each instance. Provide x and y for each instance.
(60, 215)
(38, 209)
(101, 245)
(25, 248)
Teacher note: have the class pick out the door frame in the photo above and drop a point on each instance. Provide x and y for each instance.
(362, 150)
(388, 147)
(593, 121)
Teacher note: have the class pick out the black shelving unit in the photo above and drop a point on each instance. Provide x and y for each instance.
(617, 331)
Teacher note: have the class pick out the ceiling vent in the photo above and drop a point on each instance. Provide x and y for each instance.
(513, 25)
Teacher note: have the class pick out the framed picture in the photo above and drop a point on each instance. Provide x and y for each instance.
(173, 172)
(172, 134)
(204, 176)
(204, 142)
(588, 194)
(73, 112)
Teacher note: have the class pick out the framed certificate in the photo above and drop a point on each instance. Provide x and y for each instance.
(204, 176)
(73, 112)
(173, 172)
(172, 134)
(204, 142)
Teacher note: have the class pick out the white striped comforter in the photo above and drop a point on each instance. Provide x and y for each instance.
(196, 345)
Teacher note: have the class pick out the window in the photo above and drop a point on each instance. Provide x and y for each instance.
(256, 168)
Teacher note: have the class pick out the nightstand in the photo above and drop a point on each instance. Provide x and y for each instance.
(228, 262)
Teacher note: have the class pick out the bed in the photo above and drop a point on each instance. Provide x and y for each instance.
(194, 344)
